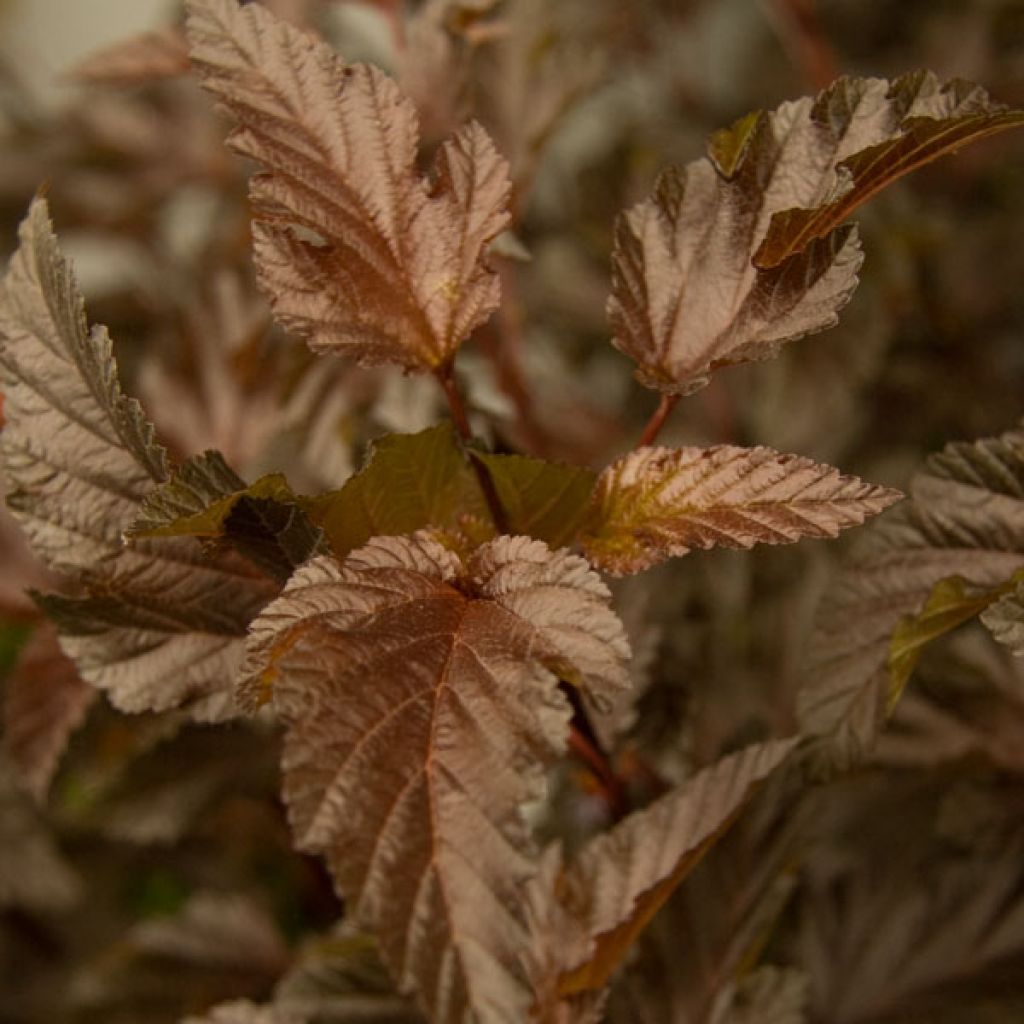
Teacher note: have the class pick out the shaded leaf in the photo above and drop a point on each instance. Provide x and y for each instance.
(951, 603)
(160, 625)
(338, 978)
(687, 296)
(545, 500)
(244, 1011)
(404, 648)
(217, 930)
(899, 128)
(264, 521)
(965, 518)
(33, 874)
(45, 700)
(410, 481)
(147, 57)
(359, 253)
(769, 995)
(1005, 619)
(622, 878)
(658, 503)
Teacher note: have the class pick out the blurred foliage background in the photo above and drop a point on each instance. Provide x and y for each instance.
(149, 875)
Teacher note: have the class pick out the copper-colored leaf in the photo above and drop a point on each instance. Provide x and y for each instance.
(688, 294)
(965, 518)
(658, 503)
(158, 625)
(886, 131)
(623, 877)
(421, 702)
(45, 700)
(359, 253)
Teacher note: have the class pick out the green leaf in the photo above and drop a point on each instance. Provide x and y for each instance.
(544, 500)
(952, 602)
(410, 482)
(265, 520)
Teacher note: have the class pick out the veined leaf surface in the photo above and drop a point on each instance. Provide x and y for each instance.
(159, 625)
(658, 503)
(965, 518)
(688, 294)
(421, 703)
(359, 253)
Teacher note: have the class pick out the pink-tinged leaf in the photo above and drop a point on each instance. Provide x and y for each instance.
(658, 503)
(156, 625)
(744, 250)
(421, 701)
(359, 253)
(45, 700)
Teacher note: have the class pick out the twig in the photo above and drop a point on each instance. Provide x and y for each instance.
(657, 420)
(445, 374)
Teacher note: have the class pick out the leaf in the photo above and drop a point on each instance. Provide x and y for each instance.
(952, 602)
(264, 521)
(244, 1011)
(160, 625)
(1005, 619)
(899, 128)
(658, 503)
(33, 874)
(340, 977)
(358, 252)
(147, 57)
(688, 293)
(965, 518)
(769, 995)
(45, 701)
(545, 500)
(410, 481)
(622, 878)
(421, 706)
(215, 930)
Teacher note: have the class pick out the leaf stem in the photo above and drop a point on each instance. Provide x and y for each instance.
(585, 744)
(445, 374)
(657, 420)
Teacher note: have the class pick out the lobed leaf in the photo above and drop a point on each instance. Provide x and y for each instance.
(743, 250)
(159, 625)
(358, 252)
(658, 503)
(965, 518)
(421, 703)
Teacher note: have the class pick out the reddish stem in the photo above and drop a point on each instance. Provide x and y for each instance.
(445, 374)
(657, 420)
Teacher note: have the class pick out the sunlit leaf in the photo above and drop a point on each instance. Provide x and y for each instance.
(658, 503)
(359, 253)
(687, 294)
(421, 701)
(1005, 619)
